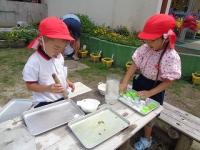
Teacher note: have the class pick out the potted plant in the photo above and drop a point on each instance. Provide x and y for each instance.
(83, 52)
(95, 56)
(107, 61)
(128, 64)
(196, 78)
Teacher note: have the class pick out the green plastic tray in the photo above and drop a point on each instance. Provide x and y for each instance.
(132, 99)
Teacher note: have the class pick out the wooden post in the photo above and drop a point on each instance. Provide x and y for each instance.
(184, 143)
(164, 6)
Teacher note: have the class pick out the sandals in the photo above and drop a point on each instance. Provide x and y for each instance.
(142, 144)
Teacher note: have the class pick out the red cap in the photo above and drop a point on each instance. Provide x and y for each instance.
(157, 26)
(52, 27)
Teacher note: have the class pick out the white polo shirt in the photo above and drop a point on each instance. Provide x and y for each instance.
(39, 69)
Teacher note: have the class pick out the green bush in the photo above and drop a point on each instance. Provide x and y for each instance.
(27, 34)
(87, 25)
(105, 33)
(119, 35)
(3, 35)
(19, 33)
(34, 25)
(122, 31)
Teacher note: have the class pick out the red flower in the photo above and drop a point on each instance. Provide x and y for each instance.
(190, 22)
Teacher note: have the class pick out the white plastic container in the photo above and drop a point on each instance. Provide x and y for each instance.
(112, 89)
(102, 88)
(88, 105)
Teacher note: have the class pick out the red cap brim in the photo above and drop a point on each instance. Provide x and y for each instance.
(64, 37)
(35, 43)
(147, 36)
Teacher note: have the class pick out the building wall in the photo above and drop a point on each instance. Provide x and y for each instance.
(13, 11)
(129, 13)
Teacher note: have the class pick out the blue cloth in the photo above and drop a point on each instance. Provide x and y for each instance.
(142, 83)
(142, 144)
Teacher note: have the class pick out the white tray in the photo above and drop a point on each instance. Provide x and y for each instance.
(95, 128)
(50, 116)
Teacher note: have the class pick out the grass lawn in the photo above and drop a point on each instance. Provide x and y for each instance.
(11, 63)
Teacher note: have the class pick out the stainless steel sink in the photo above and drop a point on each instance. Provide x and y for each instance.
(14, 108)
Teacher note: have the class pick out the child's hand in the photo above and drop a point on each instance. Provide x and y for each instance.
(122, 87)
(56, 88)
(71, 85)
(144, 94)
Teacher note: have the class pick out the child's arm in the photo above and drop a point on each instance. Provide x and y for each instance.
(53, 88)
(161, 87)
(127, 77)
(76, 44)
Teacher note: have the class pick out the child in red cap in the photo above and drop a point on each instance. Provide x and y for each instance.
(46, 60)
(158, 62)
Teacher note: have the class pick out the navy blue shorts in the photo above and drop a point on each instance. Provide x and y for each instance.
(142, 83)
(70, 55)
(46, 103)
